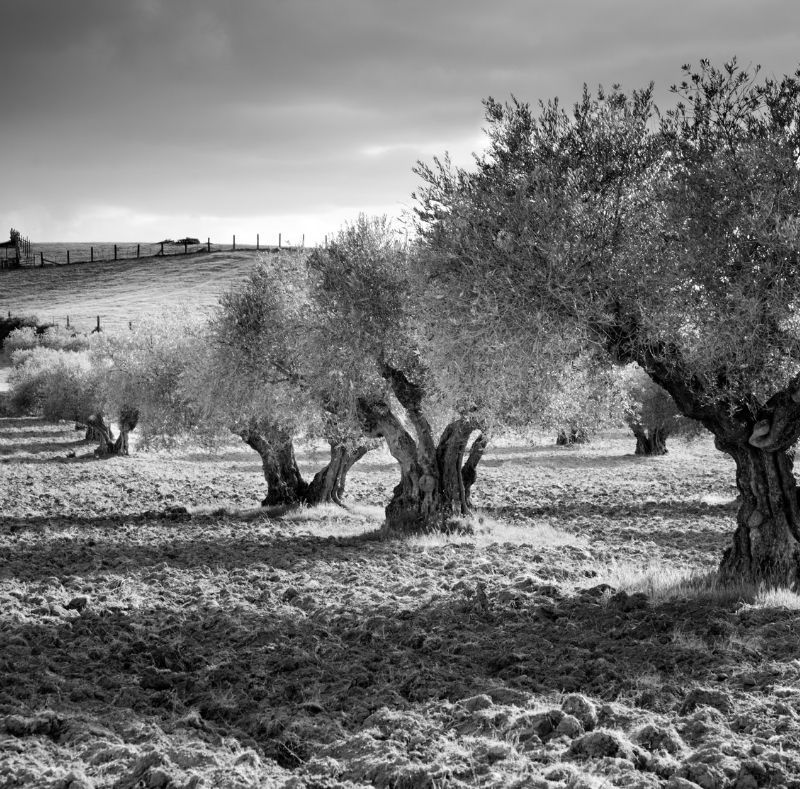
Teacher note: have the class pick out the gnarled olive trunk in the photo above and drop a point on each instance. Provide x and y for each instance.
(572, 436)
(435, 482)
(650, 441)
(285, 483)
(766, 544)
(99, 430)
(328, 484)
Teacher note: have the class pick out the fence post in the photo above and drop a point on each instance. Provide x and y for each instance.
(162, 248)
(258, 246)
(137, 250)
(303, 243)
(98, 324)
(41, 255)
(234, 243)
(279, 240)
(115, 251)
(91, 253)
(67, 264)
(185, 247)
(209, 244)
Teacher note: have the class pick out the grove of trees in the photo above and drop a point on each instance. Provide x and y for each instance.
(597, 263)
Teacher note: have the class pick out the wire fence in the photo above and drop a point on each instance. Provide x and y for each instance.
(41, 255)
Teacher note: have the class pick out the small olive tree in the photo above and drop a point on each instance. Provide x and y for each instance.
(650, 412)
(674, 245)
(265, 382)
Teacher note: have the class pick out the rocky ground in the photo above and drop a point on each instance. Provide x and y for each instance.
(158, 629)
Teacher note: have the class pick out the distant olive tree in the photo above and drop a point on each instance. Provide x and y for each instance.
(586, 399)
(650, 412)
(672, 244)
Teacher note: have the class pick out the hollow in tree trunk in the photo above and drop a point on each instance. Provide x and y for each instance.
(766, 544)
(650, 441)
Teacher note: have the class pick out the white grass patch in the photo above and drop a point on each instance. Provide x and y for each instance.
(664, 582)
(777, 598)
(481, 531)
(717, 499)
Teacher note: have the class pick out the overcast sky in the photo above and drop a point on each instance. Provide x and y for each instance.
(128, 120)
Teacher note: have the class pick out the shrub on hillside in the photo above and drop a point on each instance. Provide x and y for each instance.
(14, 322)
(28, 337)
(55, 383)
(146, 369)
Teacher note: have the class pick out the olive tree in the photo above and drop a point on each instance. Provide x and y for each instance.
(265, 384)
(667, 240)
(379, 365)
(650, 412)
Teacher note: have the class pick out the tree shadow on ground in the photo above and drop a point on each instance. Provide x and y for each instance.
(116, 545)
(255, 665)
(38, 434)
(620, 511)
(38, 448)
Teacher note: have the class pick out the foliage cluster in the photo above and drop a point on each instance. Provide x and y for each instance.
(55, 337)
(58, 384)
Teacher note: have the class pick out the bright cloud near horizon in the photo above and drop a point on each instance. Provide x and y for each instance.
(143, 119)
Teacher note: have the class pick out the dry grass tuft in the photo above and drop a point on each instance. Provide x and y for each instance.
(481, 531)
(777, 598)
(662, 583)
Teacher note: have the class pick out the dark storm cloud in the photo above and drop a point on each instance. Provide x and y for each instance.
(291, 105)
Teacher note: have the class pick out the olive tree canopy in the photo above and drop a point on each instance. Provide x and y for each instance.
(668, 240)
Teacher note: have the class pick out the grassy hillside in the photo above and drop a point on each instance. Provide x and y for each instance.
(120, 291)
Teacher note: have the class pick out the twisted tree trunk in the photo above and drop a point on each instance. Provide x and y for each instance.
(99, 430)
(285, 484)
(435, 483)
(765, 549)
(650, 441)
(329, 483)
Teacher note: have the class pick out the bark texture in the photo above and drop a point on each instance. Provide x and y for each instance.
(285, 483)
(766, 544)
(328, 485)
